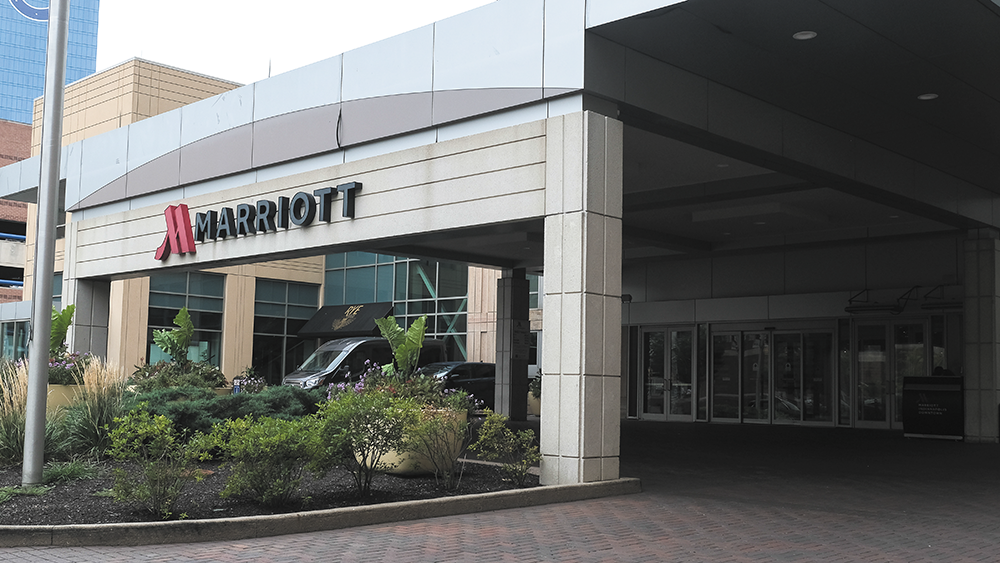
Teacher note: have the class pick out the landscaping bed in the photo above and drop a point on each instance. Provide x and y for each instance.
(85, 501)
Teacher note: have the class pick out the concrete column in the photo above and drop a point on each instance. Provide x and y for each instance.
(513, 333)
(982, 335)
(92, 298)
(581, 353)
(237, 321)
(129, 319)
(89, 332)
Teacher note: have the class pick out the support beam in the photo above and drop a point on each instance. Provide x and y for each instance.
(581, 355)
(513, 332)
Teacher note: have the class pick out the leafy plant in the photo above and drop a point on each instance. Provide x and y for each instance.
(516, 452)
(175, 342)
(405, 345)
(61, 321)
(165, 463)
(360, 428)
(268, 456)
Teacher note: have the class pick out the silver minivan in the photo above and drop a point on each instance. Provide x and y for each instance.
(343, 360)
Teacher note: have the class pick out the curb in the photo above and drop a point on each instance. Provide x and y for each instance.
(249, 527)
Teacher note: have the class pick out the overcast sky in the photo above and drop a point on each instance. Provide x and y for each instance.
(237, 39)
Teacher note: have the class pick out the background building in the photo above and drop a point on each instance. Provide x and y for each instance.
(22, 55)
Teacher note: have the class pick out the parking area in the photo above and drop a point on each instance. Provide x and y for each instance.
(711, 493)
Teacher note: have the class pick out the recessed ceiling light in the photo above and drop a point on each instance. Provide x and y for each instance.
(726, 234)
(804, 35)
(927, 96)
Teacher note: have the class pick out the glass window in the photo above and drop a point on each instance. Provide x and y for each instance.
(360, 285)
(335, 260)
(453, 279)
(168, 282)
(206, 284)
(334, 288)
(168, 293)
(421, 280)
(415, 287)
(383, 287)
(360, 258)
(277, 350)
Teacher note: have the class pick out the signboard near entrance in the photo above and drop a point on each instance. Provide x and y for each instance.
(933, 407)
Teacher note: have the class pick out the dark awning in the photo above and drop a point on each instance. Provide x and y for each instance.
(340, 321)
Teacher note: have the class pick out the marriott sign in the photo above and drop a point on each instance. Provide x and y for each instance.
(264, 216)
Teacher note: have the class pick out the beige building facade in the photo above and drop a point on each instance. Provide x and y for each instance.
(773, 214)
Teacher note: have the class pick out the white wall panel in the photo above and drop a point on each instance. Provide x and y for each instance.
(311, 86)
(402, 64)
(104, 159)
(216, 114)
(564, 35)
(153, 137)
(496, 46)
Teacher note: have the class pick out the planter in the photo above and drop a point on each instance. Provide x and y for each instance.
(410, 463)
(534, 405)
(223, 391)
(61, 396)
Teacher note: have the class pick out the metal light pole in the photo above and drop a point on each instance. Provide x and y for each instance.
(45, 243)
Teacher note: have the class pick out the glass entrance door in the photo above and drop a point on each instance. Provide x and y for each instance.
(668, 373)
(756, 379)
(773, 376)
(886, 353)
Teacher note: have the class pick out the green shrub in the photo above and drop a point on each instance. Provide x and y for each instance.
(193, 409)
(165, 463)
(164, 374)
(360, 428)
(517, 452)
(268, 456)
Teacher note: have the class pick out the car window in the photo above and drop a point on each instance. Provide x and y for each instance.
(320, 359)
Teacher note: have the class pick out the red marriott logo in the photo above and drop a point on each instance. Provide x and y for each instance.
(180, 238)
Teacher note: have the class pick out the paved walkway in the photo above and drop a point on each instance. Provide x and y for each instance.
(711, 493)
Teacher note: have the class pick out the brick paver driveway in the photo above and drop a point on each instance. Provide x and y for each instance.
(712, 493)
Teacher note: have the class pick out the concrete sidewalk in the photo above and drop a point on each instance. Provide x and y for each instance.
(711, 493)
